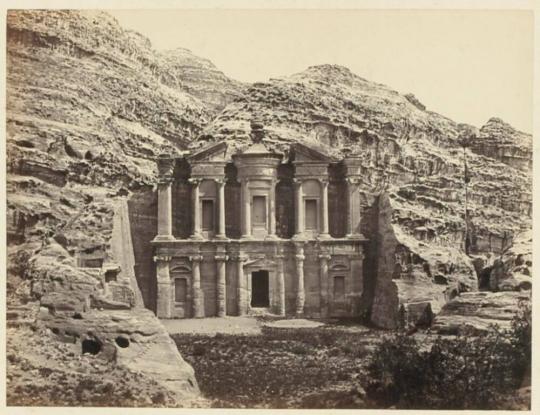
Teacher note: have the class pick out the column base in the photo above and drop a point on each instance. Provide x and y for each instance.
(196, 237)
(299, 237)
(272, 237)
(246, 237)
(324, 236)
(221, 237)
(160, 238)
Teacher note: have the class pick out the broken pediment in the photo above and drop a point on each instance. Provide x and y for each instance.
(312, 153)
(215, 152)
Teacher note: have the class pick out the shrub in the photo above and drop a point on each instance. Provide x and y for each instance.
(458, 373)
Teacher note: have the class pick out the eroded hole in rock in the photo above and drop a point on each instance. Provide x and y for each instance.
(88, 155)
(122, 342)
(24, 143)
(483, 279)
(77, 316)
(71, 152)
(110, 275)
(55, 330)
(90, 346)
(190, 383)
(441, 279)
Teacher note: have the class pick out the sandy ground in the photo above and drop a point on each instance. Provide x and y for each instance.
(232, 325)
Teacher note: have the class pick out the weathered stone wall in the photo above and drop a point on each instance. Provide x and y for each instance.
(232, 212)
(385, 309)
(142, 207)
(122, 253)
(181, 208)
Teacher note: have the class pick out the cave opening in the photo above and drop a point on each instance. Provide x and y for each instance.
(122, 342)
(90, 346)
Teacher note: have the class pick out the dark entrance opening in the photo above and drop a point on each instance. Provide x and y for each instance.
(259, 289)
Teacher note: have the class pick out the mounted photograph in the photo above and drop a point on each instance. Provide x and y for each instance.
(269, 208)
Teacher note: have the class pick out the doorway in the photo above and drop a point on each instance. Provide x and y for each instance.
(259, 289)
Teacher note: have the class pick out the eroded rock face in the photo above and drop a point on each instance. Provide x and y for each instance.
(499, 140)
(87, 115)
(199, 77)
(475, 312)
(413, 155)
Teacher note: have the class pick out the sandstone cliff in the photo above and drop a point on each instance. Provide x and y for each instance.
(199, 77)
(414, 156)
(88, 112)
(90, 106)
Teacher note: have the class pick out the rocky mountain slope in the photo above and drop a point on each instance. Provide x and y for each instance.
(415, 156)
(90, 106)
(199, 77)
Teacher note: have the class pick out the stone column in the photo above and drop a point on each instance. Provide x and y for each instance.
(352, 184)
(221, 202)
(196, 209)
(281, 305)
(165, 168)
(246, 205)
(164, 294)
(324, 233)
(221, 286)
(299, 208)
(323, 275)
(300, 290)
(241, 295)
(272, 212)
(197, 294)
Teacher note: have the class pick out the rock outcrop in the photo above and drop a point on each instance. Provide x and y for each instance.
(475, 313)
(413, 155)
(499, 140)
(199, 77)
(88, 113)
(89, 108)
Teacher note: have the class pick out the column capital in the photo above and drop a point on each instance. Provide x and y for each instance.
(300, 257)
(240, 258)
(220, 180)
(165, 165)
(195, 258)
(221, 258)
(353, 180)
(323, 180)
(325, 257)
(195, 180)
(297, 181)
(165, 180)
(162, 258)
(279, 256)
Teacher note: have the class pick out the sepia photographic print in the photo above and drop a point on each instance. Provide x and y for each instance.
(268, 206)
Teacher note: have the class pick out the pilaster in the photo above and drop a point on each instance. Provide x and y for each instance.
(221, 287)
(324, 231)
(241, 285)
(323, 275)
(299, 209)
(196, 208)
(221, 205)
(197, 295)
(165, 179)
(164, 294)
(300, 289)
(281, 304)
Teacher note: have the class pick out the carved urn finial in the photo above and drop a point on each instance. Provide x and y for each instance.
(257, 131)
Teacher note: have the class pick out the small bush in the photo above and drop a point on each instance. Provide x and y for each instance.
(459, 373)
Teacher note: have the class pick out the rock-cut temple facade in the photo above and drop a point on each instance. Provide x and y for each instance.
(244, 230)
